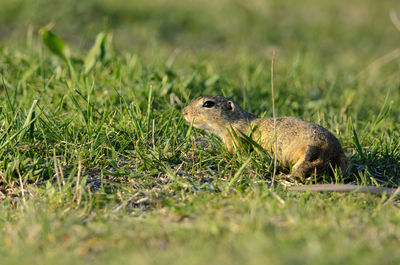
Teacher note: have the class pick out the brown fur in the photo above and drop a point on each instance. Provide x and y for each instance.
(306, 146)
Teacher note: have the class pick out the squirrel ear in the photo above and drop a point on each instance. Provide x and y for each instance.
(231, 105)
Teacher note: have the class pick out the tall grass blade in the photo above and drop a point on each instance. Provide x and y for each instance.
(239, 172)
(28, 121)
(358, 145)
(19, 131)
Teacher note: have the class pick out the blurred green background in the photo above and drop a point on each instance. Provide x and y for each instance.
(333, 28)
(329, 53)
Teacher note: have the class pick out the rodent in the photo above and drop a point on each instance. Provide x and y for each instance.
(310, 148)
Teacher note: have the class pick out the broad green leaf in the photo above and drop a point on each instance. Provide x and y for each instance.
(55, 44)
(97, 52)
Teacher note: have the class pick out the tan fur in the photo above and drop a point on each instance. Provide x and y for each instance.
(306, 146)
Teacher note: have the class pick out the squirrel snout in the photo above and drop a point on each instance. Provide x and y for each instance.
(186, 115)
(185, 112)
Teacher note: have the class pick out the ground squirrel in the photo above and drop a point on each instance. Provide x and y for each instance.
(308, 147)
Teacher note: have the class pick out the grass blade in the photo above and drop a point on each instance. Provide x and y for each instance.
(28, 121)
(96, 53)
(239, 172)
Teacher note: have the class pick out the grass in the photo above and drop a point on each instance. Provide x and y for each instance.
(97, 165)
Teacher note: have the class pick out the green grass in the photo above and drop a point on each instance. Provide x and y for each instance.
(101, 167)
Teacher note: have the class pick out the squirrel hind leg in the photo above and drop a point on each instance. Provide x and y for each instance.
(303, 168)
(312, 153)
(309, 163)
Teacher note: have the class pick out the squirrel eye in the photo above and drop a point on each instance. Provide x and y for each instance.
(208, 104)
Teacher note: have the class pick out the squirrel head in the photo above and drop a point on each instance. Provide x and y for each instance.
(215, 114)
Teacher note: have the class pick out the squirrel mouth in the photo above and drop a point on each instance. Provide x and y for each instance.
(186, 116)
(189, 119)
